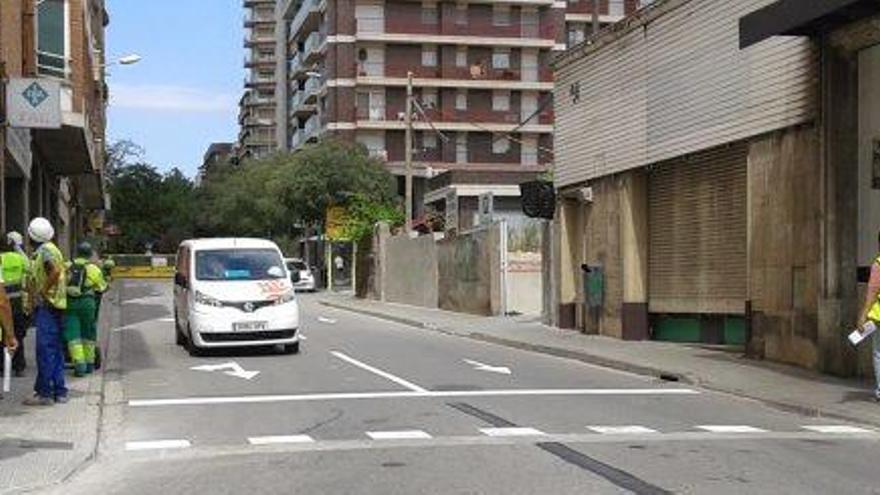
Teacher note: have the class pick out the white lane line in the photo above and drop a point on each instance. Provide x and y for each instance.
(377, 371)
(837, 429)
(157, 445)
(511, 432)
(280, 439)
(255, 399)
(731, 429)
(621, 430)
(398, 435)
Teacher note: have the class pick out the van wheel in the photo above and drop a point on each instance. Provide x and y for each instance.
(178, 335)
(191, 347)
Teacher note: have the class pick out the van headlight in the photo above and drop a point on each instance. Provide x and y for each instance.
(285, 298)
(206, 300)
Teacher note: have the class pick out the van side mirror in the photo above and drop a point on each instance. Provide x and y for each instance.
(180, 280)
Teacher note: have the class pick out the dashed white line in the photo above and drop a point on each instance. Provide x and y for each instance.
(836, 429)
(621, 430)
(377, 371)
(280, 439)
(731, 429)
(399, 435)
(511, 432)
(157, 445)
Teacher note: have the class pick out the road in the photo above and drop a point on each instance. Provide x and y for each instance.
(374, 407)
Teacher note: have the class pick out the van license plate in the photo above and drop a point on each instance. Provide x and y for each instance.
(250, 326)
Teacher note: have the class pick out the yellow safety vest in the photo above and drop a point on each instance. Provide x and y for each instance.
(874, 313)
(57, 296)
(14, 267)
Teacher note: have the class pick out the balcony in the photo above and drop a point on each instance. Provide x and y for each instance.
(313, 87)
(315, 46)
(254, 17)
(609, 10)
(258, 60)
(296, 139)
(256, 37)
(295, 67)
(300, 108)
(249, 4)
(401, 29)
(307, 18)
(258, 122)
(375, 113)
(257, 80)
(312, 129)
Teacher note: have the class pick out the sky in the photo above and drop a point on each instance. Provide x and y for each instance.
(183, 95)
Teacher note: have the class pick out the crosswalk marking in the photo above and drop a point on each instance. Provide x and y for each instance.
(621, 430)
(511, 432)
(398, 435)
(836, 429)
(280, 439)
(157, 445)
(731, 429)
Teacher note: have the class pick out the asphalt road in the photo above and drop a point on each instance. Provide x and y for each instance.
(374, 407)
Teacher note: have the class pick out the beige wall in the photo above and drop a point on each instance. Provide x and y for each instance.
(470, 272)
(410, 273)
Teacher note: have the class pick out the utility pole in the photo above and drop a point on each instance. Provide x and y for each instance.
(409, 151)
(596, 16)
(3, 123)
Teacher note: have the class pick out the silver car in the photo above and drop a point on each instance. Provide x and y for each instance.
(301, 275)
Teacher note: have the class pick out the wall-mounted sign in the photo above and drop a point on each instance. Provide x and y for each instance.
(34, 103)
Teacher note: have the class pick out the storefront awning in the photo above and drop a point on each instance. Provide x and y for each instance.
(801, 18)
(69, 150)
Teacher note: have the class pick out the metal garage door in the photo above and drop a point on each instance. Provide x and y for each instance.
(697, 224)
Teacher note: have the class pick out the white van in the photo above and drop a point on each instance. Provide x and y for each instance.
(234, 292)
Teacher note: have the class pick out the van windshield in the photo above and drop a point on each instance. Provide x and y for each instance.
(238, 264)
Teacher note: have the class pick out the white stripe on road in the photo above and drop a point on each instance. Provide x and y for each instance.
(731, 429)
(398, 435)
(157, 445)
(280, 439)
(621, 430)
(377, 371)
(836, 429)
(511, 432)
(255, 399)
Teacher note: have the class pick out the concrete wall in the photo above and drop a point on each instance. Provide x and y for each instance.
(410, 271)
(470, 272)
(869, 132)
(601, 246)
(784, 271)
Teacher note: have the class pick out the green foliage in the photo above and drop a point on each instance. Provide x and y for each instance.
(363, 213)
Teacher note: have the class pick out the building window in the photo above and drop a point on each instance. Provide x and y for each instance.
(461, 152)
(461, 98)
(575, 35)
(52, 38)
(461, 56)
(461, 11)
(501, 101)
(429, 13)
(429, 98)
(429, 56)
(501, 58)
(501, 15)
(500, 145)
(429, 141)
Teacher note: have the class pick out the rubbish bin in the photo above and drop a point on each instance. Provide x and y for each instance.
(593, 278)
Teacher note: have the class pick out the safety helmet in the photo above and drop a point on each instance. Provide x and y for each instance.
(84, 250)
(14, 239)
(41, 230)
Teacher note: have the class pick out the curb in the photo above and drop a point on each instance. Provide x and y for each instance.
(616, 364)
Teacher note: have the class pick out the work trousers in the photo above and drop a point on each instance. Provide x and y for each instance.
(50, 358)
(80, 333)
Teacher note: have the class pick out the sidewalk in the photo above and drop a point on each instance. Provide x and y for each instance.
(43, 446)
(781, 386)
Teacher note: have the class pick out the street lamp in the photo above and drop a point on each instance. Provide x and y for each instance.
(130, 59)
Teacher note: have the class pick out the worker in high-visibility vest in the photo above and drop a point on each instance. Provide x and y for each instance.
(47, 294)
(871, 311)
(84, 282)
(15, 265)
(7, 334)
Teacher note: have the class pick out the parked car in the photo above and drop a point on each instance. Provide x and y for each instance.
(301, 275)
(234, 292)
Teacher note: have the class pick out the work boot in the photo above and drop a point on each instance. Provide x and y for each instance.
(38, 401)
(62, 399)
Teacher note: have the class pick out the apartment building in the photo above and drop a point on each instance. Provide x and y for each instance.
(257, 105)
(481, 77)
(54, 57)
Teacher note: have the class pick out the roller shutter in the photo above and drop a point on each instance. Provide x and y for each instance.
(697, 227)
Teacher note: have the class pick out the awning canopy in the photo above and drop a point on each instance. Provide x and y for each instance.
(802, 18)
(69, 150)
(91, 189)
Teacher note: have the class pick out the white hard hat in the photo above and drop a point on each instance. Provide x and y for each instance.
(41, 230)
(14, 238)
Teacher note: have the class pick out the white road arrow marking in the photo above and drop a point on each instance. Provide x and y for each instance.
(329, 321)
(233, 369)
(504, 370)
